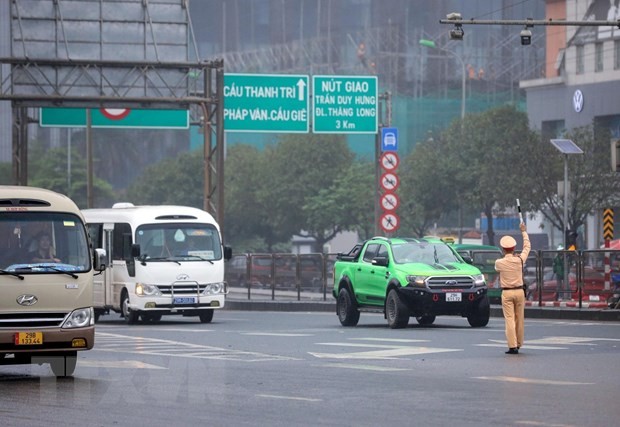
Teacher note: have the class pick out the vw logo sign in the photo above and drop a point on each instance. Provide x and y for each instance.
(578, 101)
(183, 276)
(451, 282)
(27, 300)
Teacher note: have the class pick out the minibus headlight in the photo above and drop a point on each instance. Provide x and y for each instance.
(215, 288)
(79, 318)
(144, 290)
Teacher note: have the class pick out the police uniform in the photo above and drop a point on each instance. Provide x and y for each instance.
(510, 269)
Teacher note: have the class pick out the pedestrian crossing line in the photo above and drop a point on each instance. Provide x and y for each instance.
(392, 353)
(362, 367)
(525, 347)
(531, 381)
(401, 340)
(159, 347)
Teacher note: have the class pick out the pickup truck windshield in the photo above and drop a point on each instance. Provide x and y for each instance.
(185, 241)
(42, 242)
(423, 252)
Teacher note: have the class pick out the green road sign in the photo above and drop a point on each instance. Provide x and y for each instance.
(115, 118)
(266, 103)
(344, 104)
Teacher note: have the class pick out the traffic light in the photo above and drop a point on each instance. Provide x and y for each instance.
(571, 240)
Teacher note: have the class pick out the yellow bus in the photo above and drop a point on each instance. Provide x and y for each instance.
(46, 280)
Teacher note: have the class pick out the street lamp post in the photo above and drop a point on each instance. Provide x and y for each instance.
(566, 147)
(431, 44)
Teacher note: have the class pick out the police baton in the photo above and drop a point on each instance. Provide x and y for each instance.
(519, 209)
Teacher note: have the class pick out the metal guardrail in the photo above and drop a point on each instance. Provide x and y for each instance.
(588, 280)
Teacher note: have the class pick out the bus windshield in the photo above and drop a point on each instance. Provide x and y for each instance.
(189, 242)
(43, 242)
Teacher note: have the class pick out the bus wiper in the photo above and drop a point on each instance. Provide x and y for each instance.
(51, 267)
(143, 260)
(10, 273)
(197, 256)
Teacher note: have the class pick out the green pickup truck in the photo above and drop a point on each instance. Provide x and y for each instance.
(403, 277)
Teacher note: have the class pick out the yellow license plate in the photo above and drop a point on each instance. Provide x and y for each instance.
(29, 338)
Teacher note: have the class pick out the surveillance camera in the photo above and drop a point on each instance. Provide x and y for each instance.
(457, 33)
(526, 37)
(454, 16)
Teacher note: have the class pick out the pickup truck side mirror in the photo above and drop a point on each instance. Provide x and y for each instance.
(467, 259)
(381, 261)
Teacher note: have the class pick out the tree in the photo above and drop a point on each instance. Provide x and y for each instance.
(348, 204)
(174, 181)
(428, 190)
(592, 183)
(488, 153)
(48, 169)
(299, 167)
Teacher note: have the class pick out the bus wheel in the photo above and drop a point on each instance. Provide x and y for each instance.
(206, 316)
(130, 315)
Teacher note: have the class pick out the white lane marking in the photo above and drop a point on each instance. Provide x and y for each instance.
(542, 423)
(121, 364)
(572, 340)
(161, 347)
(274, 334)
(362, 367)
(388, 340)
(393, 353)
(274, 396)
(525, 347)
(531, 381)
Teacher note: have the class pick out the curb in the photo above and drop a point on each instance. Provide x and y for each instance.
(566, 312)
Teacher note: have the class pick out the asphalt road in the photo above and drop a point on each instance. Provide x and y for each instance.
(289, 369)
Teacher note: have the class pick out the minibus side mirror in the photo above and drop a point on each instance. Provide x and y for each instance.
(135, 250)
(227, 253)
(100, 260)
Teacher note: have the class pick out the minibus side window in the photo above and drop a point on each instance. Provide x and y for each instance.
(121, 250)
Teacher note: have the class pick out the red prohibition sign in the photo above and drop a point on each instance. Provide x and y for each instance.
(389, 202)
(389, 222)
(389, 181)
(115, 113)
(389, 160)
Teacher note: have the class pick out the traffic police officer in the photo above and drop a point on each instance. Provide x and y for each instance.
(510, 269)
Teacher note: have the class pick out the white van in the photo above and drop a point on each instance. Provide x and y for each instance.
(161, 260)
(46, 280)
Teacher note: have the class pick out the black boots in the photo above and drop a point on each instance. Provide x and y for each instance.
(513, 350)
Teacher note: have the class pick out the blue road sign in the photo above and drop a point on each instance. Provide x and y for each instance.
(389, 139)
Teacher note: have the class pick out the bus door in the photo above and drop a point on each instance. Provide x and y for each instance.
(108, 274)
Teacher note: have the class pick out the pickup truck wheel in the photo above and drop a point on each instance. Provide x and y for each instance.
(348, 314)
(479, 317)
(425, 320)
(395, 311)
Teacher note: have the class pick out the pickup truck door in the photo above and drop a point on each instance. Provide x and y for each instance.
(369, 281)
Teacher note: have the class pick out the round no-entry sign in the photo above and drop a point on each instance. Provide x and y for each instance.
(115, 113)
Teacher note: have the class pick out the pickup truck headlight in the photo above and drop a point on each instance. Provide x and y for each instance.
(479, 280)
(419, 281)
(144, 290)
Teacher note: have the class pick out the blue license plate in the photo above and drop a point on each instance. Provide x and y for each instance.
(184, 300)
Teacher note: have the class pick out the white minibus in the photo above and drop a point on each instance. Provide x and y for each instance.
(161, 260)
(46, 280)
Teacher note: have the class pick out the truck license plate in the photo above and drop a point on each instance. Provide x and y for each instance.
(28, 338)
(453, 297)
(184, 300)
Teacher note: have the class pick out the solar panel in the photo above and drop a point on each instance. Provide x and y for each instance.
(566, 146)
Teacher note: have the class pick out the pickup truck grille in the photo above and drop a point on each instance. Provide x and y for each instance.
(184, 288)
(31, 320)
(450, 282)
